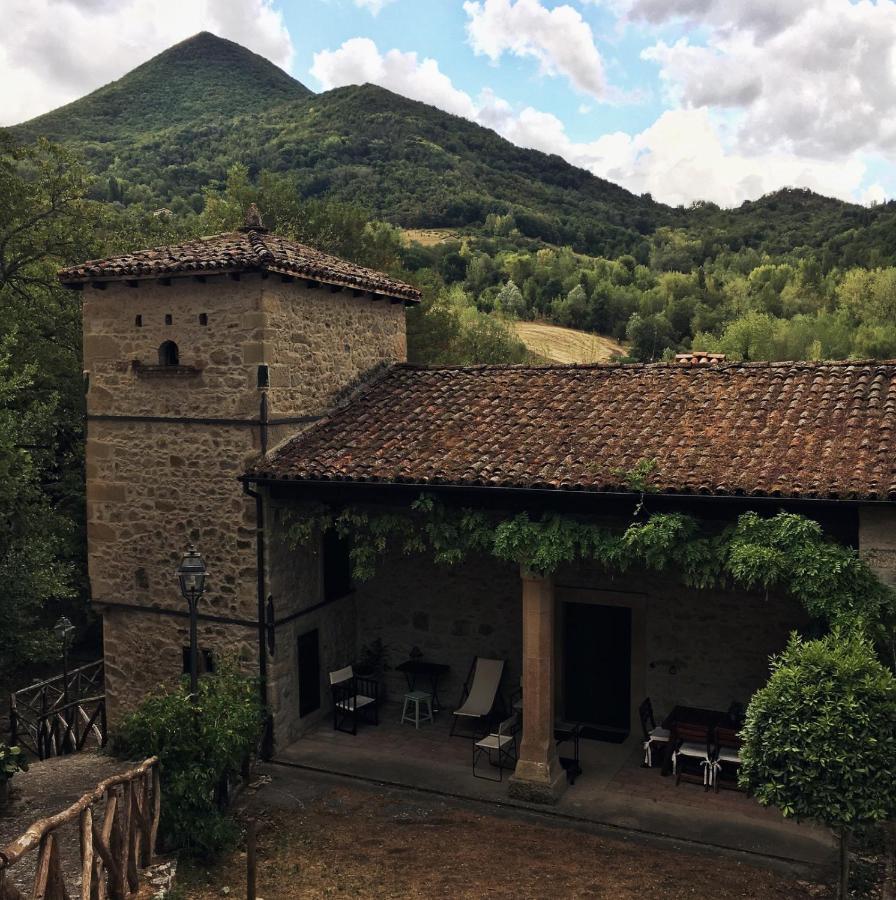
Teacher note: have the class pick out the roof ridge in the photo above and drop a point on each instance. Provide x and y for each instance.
(659, 366)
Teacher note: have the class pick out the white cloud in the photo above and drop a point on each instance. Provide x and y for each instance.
(559, 38)
(818, 79)
(374, 6)
(685, 155)
(54, 51)
(358, 61)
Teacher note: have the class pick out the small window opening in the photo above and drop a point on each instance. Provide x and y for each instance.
(203, 318)
(337, 566)
(168, 319)
(264, 378)
(168, 355)
(138, 321)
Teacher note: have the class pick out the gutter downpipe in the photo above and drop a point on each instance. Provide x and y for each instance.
(267, 741)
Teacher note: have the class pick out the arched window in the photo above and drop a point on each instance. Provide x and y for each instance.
(168, 355)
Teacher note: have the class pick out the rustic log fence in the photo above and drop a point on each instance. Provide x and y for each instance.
(118, 824)
(59, 716)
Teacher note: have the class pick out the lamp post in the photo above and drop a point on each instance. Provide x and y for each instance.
(63, 630)
(191, 574)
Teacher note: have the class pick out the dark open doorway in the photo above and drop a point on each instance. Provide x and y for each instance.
(597, 666)
(309, 672)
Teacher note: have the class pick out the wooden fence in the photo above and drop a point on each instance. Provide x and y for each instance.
(111, 853)
(59, 716)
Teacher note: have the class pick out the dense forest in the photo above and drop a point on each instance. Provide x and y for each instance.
(180, 147)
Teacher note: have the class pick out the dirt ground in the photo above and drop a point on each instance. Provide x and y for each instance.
(353, 840)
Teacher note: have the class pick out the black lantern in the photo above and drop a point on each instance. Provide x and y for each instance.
(191, 574)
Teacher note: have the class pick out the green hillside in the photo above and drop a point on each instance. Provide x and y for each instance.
(204, 78)
(174, 126)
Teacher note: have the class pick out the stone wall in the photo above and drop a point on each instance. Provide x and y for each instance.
(155, 485)
(877, 540)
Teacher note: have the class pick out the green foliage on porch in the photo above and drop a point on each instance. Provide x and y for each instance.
(785, 553)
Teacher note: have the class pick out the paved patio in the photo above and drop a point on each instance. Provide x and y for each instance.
(613, 790)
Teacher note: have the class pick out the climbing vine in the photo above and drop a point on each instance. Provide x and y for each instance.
(786, 552)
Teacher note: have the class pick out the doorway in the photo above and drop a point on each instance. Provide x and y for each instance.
(597, 666)
(309, 672)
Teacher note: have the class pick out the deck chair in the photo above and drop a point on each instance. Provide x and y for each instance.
(353, 697)
(480, 692)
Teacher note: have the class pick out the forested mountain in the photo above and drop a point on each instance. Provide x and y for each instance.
(165, 132)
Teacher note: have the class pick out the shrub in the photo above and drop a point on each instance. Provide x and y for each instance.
(199, 744)
(820, 737)
(12, 761)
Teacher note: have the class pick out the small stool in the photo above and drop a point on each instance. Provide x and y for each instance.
(417, 698)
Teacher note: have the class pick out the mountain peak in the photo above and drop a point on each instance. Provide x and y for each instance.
(202, 78)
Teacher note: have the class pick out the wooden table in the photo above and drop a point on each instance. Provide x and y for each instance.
(689, 715)
(413, 668)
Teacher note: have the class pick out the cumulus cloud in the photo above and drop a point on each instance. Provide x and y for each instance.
(359, 60)
(374, 6)
(683, 156)
(817, 79)
(54, 51)
(559, 38)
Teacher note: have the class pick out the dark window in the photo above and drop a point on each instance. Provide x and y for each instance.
(337, 566)
(203, 318)
(263, 376)
(309, 672)
(168, 355)
(168, 319)
(205, 661)
(138, 321)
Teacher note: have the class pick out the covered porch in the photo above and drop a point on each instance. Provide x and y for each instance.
(613, 790)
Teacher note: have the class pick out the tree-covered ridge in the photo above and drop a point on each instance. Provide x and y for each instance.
(204, 78)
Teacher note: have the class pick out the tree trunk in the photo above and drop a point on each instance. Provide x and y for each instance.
(844, 864)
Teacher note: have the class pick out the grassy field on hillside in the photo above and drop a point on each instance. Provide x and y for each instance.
(566, 345)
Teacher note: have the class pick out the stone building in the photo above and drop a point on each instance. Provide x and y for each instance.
(235, 380)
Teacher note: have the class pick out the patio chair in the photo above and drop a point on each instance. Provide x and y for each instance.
(726, 753)
(692, 748)
(499, 747)
(353, 697)
(654, 735)
(480, 692)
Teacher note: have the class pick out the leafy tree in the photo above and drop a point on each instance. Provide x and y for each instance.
(649, 336)
(820, 737)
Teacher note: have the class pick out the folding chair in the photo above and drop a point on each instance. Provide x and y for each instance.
(499, 747)
(353, 697)
(480, 692)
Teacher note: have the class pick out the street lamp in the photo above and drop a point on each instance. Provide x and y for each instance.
(191, 574)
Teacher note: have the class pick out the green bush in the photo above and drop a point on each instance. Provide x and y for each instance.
(12, 761)
(820, 737)
(198, 744)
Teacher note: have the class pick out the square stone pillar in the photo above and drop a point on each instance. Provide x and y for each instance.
(877, 540)
(539, 777)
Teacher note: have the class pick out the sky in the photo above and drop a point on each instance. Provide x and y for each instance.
(689, 100)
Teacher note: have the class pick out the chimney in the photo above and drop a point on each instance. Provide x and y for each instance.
(700, 358)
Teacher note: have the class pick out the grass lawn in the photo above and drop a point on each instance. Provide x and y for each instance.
(339, 839)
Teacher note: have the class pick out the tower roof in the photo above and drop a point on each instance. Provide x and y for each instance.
(249, 249)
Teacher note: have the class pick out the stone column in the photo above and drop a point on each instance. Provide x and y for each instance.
(539, 777)
(877, 541)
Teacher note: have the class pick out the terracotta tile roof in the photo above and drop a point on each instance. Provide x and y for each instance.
(762, 429)
(248, 249)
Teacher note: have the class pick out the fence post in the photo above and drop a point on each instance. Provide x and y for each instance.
(250, 861)
(13, 721)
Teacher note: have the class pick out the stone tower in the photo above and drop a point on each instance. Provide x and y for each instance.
(197, 358)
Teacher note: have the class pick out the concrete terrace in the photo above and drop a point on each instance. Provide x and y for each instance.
(613, 790)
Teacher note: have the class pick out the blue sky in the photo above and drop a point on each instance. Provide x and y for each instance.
(719, 100)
